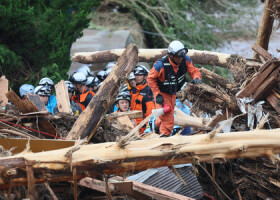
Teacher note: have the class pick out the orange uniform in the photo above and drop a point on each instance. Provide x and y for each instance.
(142, 99)
(83, 98)
(167, 78)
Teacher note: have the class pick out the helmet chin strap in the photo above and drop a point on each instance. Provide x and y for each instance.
(171, 58)
(142, 83)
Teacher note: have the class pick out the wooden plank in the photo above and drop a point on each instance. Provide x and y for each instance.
(261, 51)
(217, 119)
(35, 99)
(256, 82)
(18, 145)
(266, 87)
(273, 101)
(62, 97)
(4, 85)
(124, 121)
(15, 100)
(124, 187)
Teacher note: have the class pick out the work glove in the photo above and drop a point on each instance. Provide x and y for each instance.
(196, 81)
(159, 99)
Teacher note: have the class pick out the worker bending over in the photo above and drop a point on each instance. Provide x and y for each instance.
(166, 78)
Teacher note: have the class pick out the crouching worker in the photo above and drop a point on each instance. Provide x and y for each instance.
(44, 93)
(76, 109)
(123, 103)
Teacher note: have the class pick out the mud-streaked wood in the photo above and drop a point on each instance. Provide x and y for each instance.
(4, 85)
(15, 100)
(151, 55)
(89, 120)
(110, 158)
(265, 27)
(62, 97)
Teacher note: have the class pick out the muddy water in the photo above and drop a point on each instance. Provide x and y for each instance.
(243, 47)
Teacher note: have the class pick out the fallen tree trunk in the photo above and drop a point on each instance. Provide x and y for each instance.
(89, 120)
(151, 55)
(110, 158)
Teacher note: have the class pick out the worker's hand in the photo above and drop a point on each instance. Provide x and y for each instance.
(159, 99)
(196, 81)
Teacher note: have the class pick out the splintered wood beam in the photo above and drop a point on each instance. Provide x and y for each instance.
(110, 158)
(273, 100)
(4, 85)
(265, 27)
(89, 120)
(152, 55)
(62, 97)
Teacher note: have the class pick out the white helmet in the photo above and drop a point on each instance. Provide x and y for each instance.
(177, 48)
(26, 88)
(42, 90)
(110, 65)
(131, 76)
(46, 82)
(92, 81)
(123, 95)
(78, 78)
(140, 70)
(101, 75)
(70, 86)
(84, 70)
(107, 72)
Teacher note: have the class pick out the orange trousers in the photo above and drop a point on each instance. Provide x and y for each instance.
(166, 121)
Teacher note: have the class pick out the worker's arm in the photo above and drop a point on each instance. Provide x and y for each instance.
(191, 69)
(155, 74)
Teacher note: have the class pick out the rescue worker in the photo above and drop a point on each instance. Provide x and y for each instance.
(110, 65)
(141, 95)
(83, 95)
(166, 78)
(76, 109)
(24, 89)
(44, 93)
(123, 104)
(131, 83)
(52, 99)
(92, 83)
(101, 75)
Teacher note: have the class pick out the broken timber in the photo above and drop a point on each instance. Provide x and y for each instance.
(89, 120)
(62, 97)
(109, 158)
(151, 55)
(4, 84)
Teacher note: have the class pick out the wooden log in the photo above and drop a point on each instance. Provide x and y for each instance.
(62, 97)
(265, 27)
(4, 85)
(89, 120)
(152, 55)
(125, 122)
(134, 114)
(216, 79)
(110, 158)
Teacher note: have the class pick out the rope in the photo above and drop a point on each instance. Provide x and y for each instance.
(31, 129)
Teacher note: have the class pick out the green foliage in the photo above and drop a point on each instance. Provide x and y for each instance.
(36, 36)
